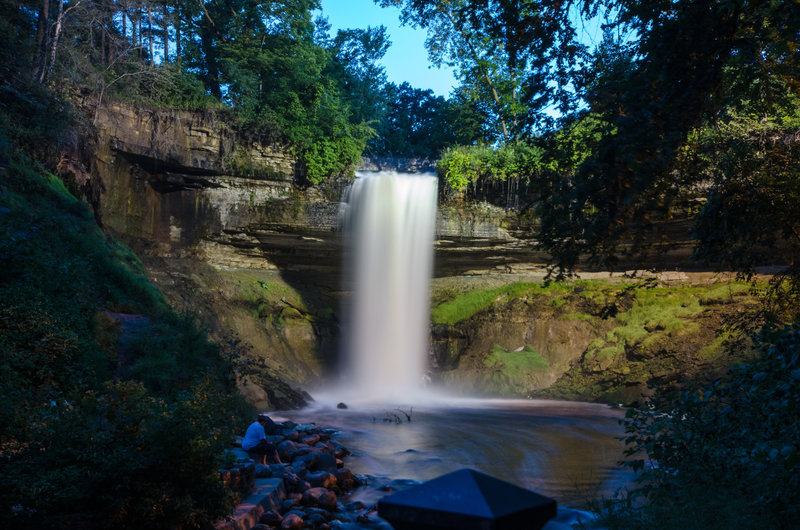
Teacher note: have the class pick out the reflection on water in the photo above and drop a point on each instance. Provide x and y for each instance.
(568, 451)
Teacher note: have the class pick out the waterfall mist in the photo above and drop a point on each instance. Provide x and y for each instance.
(389, 219)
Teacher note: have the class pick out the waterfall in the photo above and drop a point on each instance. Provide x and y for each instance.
(389, 220)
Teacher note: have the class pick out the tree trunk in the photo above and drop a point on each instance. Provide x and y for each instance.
(467, 38)
(165, 22)
(54, 44)
(178, 34)
(41, 37)
(103, 44)
(150, 33)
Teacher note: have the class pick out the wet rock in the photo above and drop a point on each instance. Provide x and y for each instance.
(343, 474)
(299, 468)
(354, 506)
(341, 406)
(315, 520)
(325, 446)
(274, 438)
(300, 450)
(324, 462)
(339, 451)
(295, 483)
(307, 427)
(292, 521)
(263, 471)
(322, 479)
(271, 518)
(310, 440)
(279, 470)
(285, 449)
(291, 435)
(321, 497)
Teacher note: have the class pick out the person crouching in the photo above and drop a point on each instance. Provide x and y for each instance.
(256, 444)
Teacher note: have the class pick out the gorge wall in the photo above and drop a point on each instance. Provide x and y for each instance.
(229, 233)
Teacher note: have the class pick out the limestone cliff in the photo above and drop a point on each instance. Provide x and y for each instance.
(229, 233)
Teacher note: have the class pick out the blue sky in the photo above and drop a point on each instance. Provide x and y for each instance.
(407, 59)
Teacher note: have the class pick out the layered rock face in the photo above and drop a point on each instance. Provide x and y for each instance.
(226, 235)
(229, 234)
(217, 218)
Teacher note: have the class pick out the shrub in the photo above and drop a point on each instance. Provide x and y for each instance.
(719, 455)
(81, 445)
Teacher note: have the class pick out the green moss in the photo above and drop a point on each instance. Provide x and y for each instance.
(577, 316)
(525, 360)
(515, 371)
(459, 307)
(557, 302)
(465, 305)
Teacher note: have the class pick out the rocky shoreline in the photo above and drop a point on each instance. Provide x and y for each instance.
(313, 480)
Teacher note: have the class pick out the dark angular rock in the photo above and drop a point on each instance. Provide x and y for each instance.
(291, 435)
(271, 518)
(279, 470)
(263, 471)
(324, 462)
(286, 448)
(343, 474)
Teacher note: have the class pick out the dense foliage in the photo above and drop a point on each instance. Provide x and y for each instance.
(103, 425)
(721, 455)
(267, 68)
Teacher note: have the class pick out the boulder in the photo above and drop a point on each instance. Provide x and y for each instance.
(263, 471)
(292, 521)
(322, 479)
(321, 497)
(271, 518)
(324, 462)
(279, 470)
(285, 449)
(310, 440)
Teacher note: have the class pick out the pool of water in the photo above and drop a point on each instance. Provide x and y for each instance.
(564, 450)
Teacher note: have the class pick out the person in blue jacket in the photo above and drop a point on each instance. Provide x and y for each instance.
(255, 440)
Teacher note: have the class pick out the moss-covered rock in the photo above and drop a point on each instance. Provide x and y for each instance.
(588, 340)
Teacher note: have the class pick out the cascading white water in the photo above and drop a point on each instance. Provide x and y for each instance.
(390, 222)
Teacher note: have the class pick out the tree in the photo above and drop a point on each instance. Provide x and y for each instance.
(688, 62)
(414, 124)
(515, 56)
(356, 53)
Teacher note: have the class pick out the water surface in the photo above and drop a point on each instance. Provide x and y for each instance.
(568, 451)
